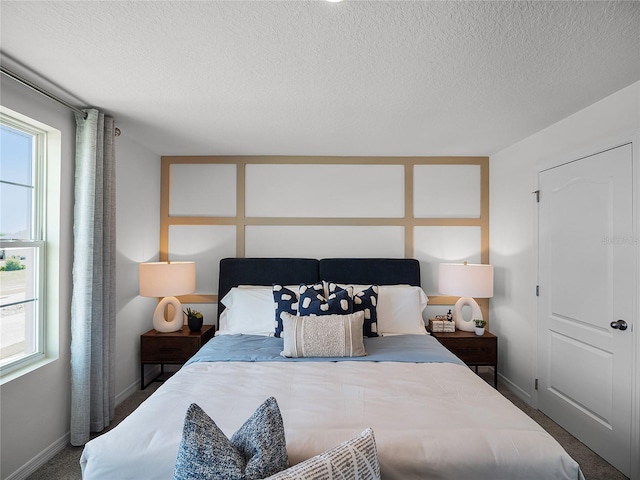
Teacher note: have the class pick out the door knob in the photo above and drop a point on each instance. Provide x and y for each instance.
(620, 324)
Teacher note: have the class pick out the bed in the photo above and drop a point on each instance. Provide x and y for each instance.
(432, 416)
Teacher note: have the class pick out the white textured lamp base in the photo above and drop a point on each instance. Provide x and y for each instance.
(476, 313)
(173, 324)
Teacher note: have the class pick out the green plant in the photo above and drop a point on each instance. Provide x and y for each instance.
(192, 313)
(12, 264)
(479, 323)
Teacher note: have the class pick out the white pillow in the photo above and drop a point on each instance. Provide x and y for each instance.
(399, 308)
(323, 335)
(249, 311)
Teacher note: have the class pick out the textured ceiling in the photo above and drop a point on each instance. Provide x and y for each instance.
(317, 78)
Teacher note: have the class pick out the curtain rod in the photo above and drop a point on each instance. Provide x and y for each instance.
(41, 91)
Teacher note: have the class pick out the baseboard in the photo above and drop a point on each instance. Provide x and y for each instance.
(39, 460)
(149, 375)
(127, 392)
(516, 390)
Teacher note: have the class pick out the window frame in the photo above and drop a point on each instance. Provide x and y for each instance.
(38, 241)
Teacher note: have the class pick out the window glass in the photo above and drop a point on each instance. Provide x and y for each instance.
(21, 251)
(16, 149)
(15, 212)
(18, 319)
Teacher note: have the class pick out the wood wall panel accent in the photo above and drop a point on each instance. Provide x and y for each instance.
(241, 221)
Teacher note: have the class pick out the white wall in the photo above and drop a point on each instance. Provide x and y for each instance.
(35, 408)
(137, 240)
(513, 215)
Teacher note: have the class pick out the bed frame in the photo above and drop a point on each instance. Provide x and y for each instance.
(425, 415)
(294, 271)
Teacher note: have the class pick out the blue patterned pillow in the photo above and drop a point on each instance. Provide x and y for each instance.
(364, 301)
(285, 301)
(256, 450)
(367, 301)
(313, 301)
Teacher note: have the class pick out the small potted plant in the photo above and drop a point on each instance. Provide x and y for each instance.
(480, 324)
(194, 319)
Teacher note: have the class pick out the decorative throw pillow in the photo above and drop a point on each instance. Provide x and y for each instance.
(256, 450)
(261, 441)
(323, 336)
(314, 302)
(366, 301)
(355, 459)
(286, 300)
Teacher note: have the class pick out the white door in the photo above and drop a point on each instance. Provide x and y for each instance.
(586, 286)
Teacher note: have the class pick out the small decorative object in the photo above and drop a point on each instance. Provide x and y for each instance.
(439, 324)
(480, 324)
(449, 316)
(194, 319)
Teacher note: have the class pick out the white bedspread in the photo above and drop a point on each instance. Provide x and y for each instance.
(436, 421)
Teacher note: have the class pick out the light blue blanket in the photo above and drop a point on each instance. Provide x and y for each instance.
(396, 348)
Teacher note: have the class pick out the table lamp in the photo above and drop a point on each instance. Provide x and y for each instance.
(466, 281)
(167, 279)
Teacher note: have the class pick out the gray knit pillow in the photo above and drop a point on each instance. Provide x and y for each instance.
(256, 450)
(355, 459)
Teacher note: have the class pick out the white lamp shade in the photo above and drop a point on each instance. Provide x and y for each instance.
(167, 279)
(465, 280)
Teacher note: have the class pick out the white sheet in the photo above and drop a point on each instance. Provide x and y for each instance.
(436, 421)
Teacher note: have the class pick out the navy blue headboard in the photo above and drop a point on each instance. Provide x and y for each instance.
(368, 271)
(264, 271)
(294, 271)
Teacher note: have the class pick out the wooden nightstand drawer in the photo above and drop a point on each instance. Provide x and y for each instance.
(474, 350)
(171, 347)
(166, 350)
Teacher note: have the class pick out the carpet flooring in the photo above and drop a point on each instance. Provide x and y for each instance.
(66, 464)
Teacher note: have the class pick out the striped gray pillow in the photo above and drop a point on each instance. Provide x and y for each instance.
(355, 459)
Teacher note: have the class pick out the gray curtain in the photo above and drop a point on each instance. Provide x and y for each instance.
(93, 298)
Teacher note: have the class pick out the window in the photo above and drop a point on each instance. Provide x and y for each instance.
(22, 243)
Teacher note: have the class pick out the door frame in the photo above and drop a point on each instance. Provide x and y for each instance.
(632, 137)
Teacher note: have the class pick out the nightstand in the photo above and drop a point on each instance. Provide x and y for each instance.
(171, 347)
(474, 350)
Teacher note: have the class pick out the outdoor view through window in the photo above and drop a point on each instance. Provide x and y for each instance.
(20, 244)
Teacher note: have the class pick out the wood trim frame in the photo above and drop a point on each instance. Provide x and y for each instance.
(407, 221)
